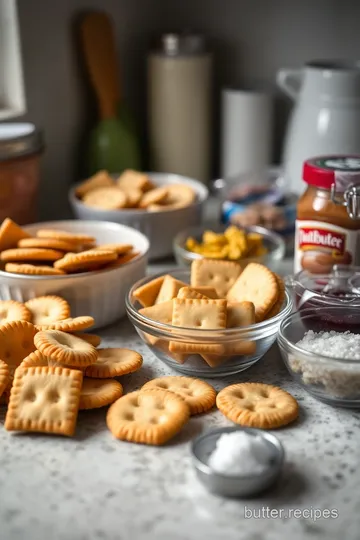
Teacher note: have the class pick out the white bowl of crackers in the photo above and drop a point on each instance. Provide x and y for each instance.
(90, 264)
(159, 205)
(216, 319)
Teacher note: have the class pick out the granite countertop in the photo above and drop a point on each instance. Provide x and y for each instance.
(93, 486)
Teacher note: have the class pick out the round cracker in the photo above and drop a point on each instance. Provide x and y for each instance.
(32, 270)
(199, 395)
(11, 310)
(154, 196)
(150, 416)
(69, 325)
(107, 198)
(35, 358)
(86, 260)
(114, 362)
(119, 249)
(180, 195)
(257, 405)
(48, 309)
(97, 393)
(66, 236)
(16, 342)
(93, 339)
(4, 376)
(47, 243)
(30, 254)
(65, 348)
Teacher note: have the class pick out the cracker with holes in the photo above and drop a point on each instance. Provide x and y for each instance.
(114, 362)
(93, 339)
(169, 289)
(199, 395)
(256, 284)
(44, 399)
(96, 393)
(150, 416)
(65, 348)
(257, 405)
(11, 310)
(201, 315)
(146, 294)
(221, 275)
(16, 342)
(48, 309)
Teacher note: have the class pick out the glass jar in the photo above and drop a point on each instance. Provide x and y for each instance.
(328, 215)
(21, 145)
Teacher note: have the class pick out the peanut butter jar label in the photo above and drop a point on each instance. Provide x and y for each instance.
(319, 245)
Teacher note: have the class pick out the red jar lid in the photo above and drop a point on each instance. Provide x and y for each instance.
(320, 171)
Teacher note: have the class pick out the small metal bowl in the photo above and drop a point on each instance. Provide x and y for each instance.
(235, 485)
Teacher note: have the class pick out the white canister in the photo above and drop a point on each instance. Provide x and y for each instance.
(179, 106)
(247, 125)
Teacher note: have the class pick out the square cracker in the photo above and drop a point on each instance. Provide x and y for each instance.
(169, 289)
(210, 292)
(159, 313)
(256, 284)
(240, 314)
(205, 314)
(147, 294)
(221, 275)
(44, 399)
(189, 292)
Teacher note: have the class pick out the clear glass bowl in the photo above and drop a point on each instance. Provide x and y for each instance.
(333, 380)
(158, 335)
(272, 241)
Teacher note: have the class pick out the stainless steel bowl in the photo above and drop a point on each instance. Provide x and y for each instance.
(235, 485)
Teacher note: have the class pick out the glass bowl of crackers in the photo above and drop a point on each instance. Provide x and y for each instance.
(214, 320)
(91, 264)
(159, 205)
(229, 243)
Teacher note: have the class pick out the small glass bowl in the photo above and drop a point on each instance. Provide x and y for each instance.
(335, 381)
(271, 240)
(258, 338)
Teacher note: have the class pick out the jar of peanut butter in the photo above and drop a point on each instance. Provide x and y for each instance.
(328, 214)
(21, 145)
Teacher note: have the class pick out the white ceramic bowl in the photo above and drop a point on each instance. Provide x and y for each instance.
(159, 227)
(100, 294)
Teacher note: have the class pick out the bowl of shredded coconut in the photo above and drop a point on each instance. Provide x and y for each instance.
(326, 362)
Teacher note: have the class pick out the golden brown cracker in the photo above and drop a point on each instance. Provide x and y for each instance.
(199, 395)
(11, 310)
(146, 294)
(240, 314)
(210, 292)
(179, 195)
(130, 179)
(154, 196)
(93, 339)
(114, 362)
(256, 284)
(32, 270)
(257, 405)
(196, 347)
(86, 260)
(120, 249)
(189, 292)
(205, 314)
(44, 399)
(169, 289)
(35, 358)
(30, 254)
(280, 300)
(106, 198)
(97, 393)
(221, 275)
(16, 342)
(65, 348)
(47, 243)
(73, 238)
(48, 309)
(99, 180)
(69, 325)
(10, 234)
(4, 376)
(147, 416)
(159, 312)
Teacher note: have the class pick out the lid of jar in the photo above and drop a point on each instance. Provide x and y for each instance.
(19, 139)
(180, 44)
(324, 171)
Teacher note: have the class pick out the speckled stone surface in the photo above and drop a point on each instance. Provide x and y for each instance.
(93, 487)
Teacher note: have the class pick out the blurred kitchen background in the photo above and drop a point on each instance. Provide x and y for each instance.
(250, 39)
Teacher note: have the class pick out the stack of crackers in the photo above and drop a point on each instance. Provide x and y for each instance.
(221, 295)
(49, 369)
(56, 252)
(132, 190)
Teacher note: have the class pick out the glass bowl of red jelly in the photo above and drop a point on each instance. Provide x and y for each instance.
(340, 288)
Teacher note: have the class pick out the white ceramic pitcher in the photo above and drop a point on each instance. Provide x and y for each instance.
(326, 115)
